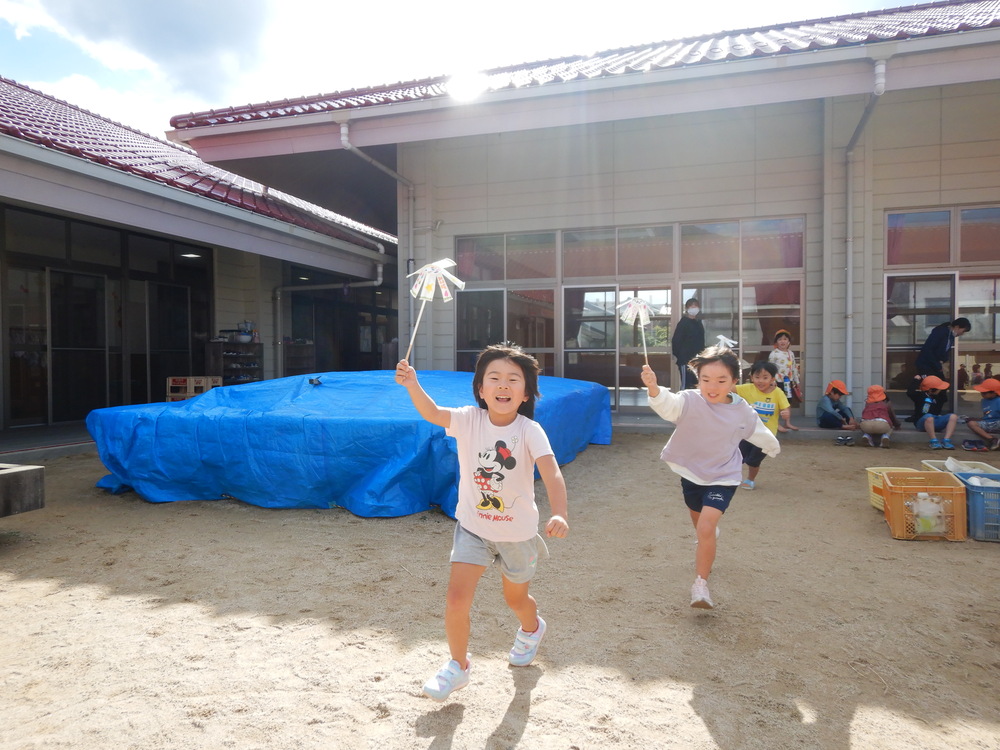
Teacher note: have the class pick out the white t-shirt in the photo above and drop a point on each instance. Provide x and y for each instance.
(496, 501)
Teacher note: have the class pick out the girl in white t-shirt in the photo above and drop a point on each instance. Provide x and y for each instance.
(499, 446)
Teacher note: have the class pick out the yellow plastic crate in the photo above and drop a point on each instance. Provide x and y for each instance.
(875, 495)
(902, 487)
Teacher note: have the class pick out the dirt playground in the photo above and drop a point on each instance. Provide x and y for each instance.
(128, 624)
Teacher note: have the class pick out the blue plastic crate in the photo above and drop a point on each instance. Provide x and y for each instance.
(984, 507)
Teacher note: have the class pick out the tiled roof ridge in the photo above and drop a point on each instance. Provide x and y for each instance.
(63, 102)
(49, 122)
(791, 37)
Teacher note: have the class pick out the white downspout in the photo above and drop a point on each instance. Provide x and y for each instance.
(877, 91)
(411, 208)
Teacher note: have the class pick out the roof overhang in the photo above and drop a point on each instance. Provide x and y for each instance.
(33, 175)
(840, 71)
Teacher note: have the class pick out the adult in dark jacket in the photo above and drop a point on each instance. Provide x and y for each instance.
(937, 348)
(688, 341)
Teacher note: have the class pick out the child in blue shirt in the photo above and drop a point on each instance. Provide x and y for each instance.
(830, 413)
(988, 427)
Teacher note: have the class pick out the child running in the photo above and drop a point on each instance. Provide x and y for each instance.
(988, 426)
(770, 403)
(499, 446)
(704, 448)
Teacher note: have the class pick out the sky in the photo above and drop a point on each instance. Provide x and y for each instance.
(139, 62)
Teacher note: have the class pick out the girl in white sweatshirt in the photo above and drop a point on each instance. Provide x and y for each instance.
(704, 449)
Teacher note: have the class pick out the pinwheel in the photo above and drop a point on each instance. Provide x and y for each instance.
(636, 307)
(728, 342)
(429, 277)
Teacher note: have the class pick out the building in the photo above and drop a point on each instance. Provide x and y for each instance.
(839, 178)
(124, 256)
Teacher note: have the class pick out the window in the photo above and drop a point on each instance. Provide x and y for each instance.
(35, 234)
(479, 323)
(710, 247)
(772, 243)
(480, 258)
(921, 237)
(531, 256)
(589, 253)
(646, 250)
(979, 240)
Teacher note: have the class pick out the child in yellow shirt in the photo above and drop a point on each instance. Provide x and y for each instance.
(771, 404)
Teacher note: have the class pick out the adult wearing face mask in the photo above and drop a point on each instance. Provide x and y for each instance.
(688, 341)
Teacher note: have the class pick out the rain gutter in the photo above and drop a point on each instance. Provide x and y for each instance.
(877, 91)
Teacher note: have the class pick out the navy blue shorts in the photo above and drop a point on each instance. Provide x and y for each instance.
(699, 496)
(752, 455)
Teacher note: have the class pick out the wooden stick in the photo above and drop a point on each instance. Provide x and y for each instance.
(413, 335)
(644, 354)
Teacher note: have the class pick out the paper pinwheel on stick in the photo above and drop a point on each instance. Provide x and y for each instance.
(728, 342)
(636, 307)
(431, 277)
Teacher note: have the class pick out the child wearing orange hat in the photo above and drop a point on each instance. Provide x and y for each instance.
(831, 413)
(878, 417)
(988, 427)
(929, 399)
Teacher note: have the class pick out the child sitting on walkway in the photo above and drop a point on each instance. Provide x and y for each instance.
(878, 417)
(929, 399)
(830, 413)
(988, 426)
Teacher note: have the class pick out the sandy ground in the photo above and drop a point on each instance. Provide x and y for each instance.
(217, 624)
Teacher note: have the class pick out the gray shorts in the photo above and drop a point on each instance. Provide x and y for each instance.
(987, 425)
(518, 560)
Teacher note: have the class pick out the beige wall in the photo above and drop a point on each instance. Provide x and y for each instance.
(243, 291)
(748, 162)
(929, 147)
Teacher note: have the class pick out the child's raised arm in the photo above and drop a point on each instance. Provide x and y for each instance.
(406, 376)
(649, 380)
(555, 488)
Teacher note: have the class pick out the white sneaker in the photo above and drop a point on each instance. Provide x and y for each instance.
(450, 678)
(700, 597)
(885, 441)
(526, 645)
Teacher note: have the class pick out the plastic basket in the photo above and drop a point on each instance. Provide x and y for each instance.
(901, 487)
(875, 495)
(974, 466)
(984, 507)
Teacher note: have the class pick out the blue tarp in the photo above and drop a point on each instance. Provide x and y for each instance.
(354, 441)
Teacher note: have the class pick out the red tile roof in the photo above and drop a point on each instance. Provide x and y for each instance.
(35, 117)
(860, 28)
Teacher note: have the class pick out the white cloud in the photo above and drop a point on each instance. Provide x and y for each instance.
(146, 108)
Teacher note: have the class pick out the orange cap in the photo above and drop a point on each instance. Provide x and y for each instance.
(875, 393)
(839, 385)
(932, 381)
(990, 384)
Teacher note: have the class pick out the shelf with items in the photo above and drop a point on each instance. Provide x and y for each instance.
(300, 357)
(235, 362)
